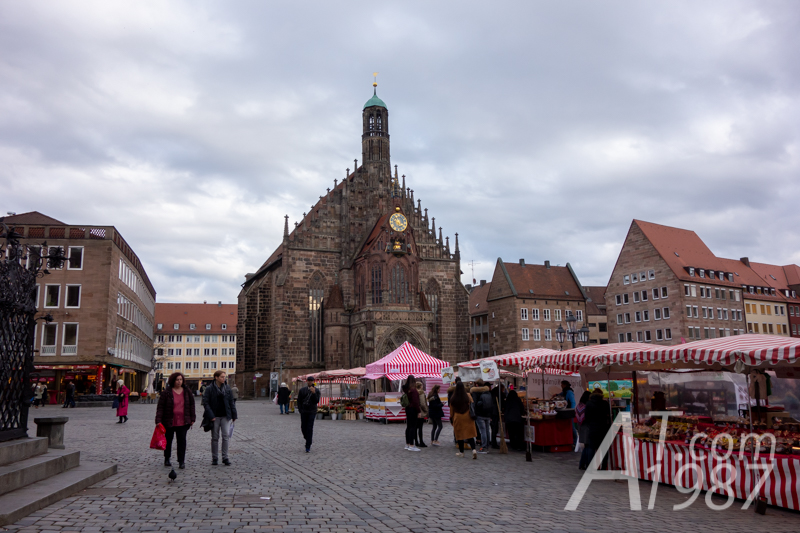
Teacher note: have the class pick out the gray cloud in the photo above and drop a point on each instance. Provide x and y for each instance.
(533, 129)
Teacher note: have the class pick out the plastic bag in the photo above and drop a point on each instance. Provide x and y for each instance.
(579, 446)
(159, 440)
(230, 431)
(275, 399)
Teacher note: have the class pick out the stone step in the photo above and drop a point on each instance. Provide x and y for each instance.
(20, 503)
(28, 471)
(21, 449)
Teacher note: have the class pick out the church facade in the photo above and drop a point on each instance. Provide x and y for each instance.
(364, 271)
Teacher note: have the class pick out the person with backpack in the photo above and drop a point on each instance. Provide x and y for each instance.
(435, 413)
(307, 400)
(423, 414)
(482, 397)
(410, 401)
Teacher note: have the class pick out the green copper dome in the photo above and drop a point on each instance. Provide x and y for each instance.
(375, 101)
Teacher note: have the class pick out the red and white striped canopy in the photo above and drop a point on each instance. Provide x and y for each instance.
(404, 361)
(511, 359)
(752, 350)
(343, 373)
(577, 358)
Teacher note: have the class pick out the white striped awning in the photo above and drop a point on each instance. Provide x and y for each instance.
(587, 356)
(511, 359)
(404, 361)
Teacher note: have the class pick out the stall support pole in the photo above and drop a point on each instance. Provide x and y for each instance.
(749, 401)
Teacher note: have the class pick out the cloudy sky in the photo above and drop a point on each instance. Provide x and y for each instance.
(533, 129)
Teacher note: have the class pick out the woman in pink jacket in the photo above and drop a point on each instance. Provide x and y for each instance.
(122, 396)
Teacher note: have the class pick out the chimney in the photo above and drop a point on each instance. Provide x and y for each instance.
(522, 262)
(469, 287)
(205, 302)
(547, 264)
(745, 260)
(219, 304)
(483, 282)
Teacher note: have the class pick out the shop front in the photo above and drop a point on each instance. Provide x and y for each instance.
(56, 377)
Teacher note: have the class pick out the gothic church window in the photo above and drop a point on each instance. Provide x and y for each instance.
(398, 285)
(377, 285)
(315, 295)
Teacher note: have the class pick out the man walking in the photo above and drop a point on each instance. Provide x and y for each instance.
(69, 401)
(221, 410)
(307, 400)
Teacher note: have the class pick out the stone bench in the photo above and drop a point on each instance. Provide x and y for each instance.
(52, 428)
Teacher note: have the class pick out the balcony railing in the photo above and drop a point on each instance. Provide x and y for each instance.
(48, 350)
(69, 350)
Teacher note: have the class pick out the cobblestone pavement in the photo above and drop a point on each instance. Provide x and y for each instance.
(357, 478)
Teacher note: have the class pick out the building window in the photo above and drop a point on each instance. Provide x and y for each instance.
(639, 336)
(206, 338)
(547, 315)
(621, 337)
(636, 297)
(205, 365)
(197, 351)
(634, 278)
(224, 326)
(178, 351)
(53, 251)
(224, 364)
(686, 290)
(668, 334)
(377, 285)
(702, 273)
(315, 315)
(525, 334)
(664, 292)
(665, 313)
(696, 311)
(657, 314)
(191, 326)
(626, 280)
(537, 336)
(644, 296)
(177, 365)
(548, 334)
(398, 285)
(579, 315)
(627, 318)
(557, 315)
(659, 335)
(651, 274)
(534, 314)
(646, 315)
(619, 318)
(170, 366)
(629, 336)
(618, 299)
(231, 364)
(224, 351)
(655, 294)
(206, 351)
(73, 298)
(175, 326)
(213, 351)
(689, 311)
(75, 258)
(196, 365)
(637, 316)
(52, 295)
(647, 336)
(625, 299)
(523, 314)
(69, 343)
(160, 326)
(213, 365)
(208, 326)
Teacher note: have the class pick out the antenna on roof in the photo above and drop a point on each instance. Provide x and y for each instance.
(472, 266)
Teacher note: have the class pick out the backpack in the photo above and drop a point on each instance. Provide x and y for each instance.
(404, 400)
(485, 405)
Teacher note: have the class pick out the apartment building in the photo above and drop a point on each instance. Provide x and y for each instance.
(526, 303)
(597, 320)
(102, 304)
(770, 303)
(195, 339)
(668, 286)
(479, 320)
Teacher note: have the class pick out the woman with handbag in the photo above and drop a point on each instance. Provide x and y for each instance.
(436, 413)
(462, 416)
(122, 401)
(175, 410)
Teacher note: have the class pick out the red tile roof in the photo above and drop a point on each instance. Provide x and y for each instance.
(198, 314)
(792, 275)
(596, 301)
(477, 299)
(32, 217)
(541, 281)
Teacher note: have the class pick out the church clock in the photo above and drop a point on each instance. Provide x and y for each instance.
(398, 222)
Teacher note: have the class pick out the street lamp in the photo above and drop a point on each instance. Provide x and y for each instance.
(572, 334)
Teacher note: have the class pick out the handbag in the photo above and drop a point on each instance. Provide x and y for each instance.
(404, 400)
(115, 403)
(159, 439)
(472, 414)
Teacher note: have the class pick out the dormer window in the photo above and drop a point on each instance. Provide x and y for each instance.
(626, 280)
(702, 273)
(691, 271)
(208, 326)
(711, 274)
(730, 277)
(224, 326)
(192, 326)
(175, 326)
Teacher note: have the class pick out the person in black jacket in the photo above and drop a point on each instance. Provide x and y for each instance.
(175, 410)
(598, 417)
(220, 409)
(435, 413)
(283, 398)
(512, 411)
(496, 402)
(307, 400)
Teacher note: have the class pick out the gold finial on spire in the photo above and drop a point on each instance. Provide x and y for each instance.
(375, 83)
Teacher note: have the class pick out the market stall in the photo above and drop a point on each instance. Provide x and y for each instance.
(714, 452)
(388, 373)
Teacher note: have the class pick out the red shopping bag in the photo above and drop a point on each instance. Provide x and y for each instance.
(159, 440)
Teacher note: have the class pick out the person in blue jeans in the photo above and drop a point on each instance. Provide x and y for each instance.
(569, 397)
(283, 398)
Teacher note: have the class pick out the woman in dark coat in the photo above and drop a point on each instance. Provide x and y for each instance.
(512, 411)
(283, 398)
(598, 417)
(175, 410)
(412, 412)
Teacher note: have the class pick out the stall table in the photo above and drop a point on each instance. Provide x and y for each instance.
(551, 434)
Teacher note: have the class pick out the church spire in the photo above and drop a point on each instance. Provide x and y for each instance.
(375, 134)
